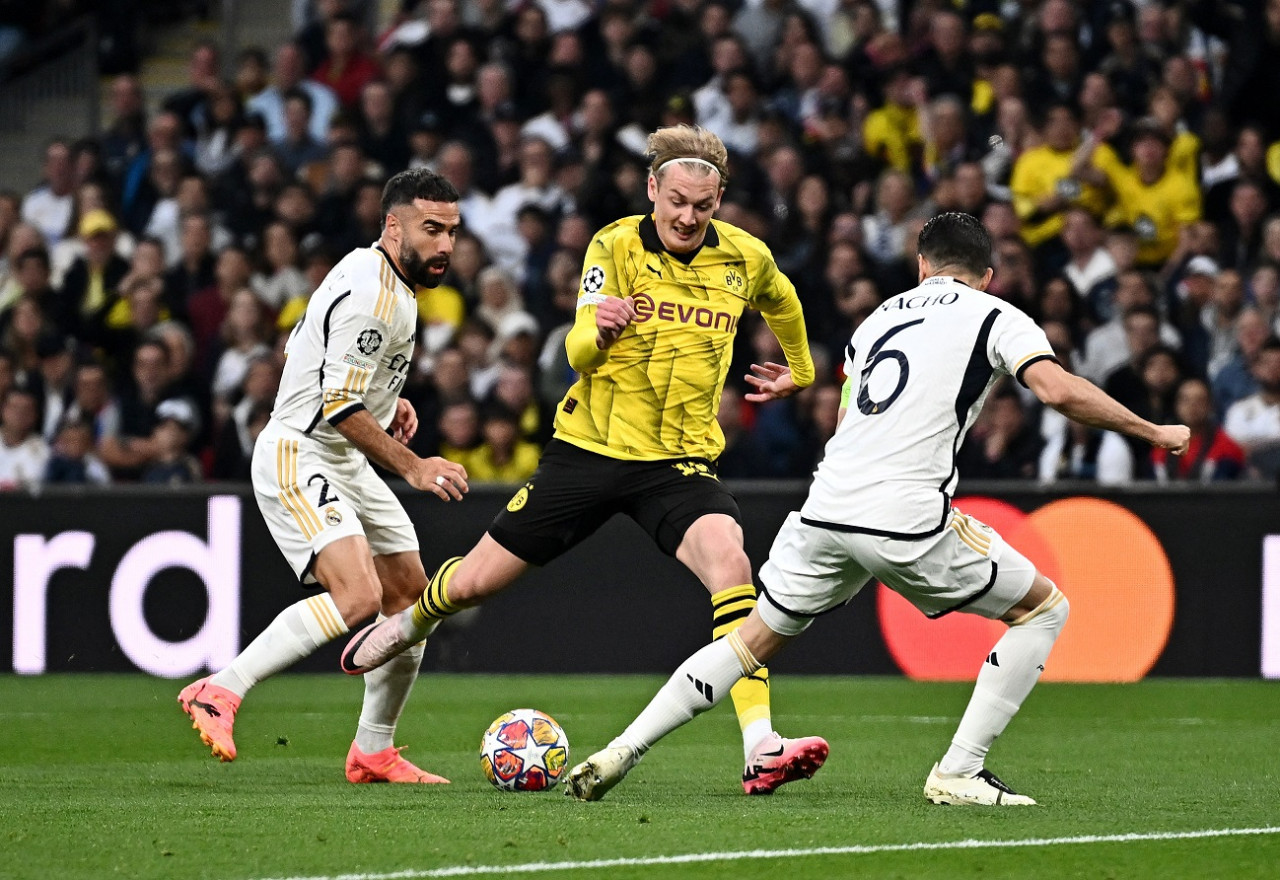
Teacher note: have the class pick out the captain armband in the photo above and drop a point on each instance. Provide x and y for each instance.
(591, 299)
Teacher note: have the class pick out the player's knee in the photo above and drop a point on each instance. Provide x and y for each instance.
(356, 597)
(1051, 614)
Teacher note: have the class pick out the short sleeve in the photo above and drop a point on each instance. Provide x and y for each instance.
(1016, 342)
(355, 334)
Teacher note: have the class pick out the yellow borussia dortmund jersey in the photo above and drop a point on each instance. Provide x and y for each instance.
(654, 394)
(1156, 211)
(1039, 173)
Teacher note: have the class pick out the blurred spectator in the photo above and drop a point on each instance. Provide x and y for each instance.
(233, 446)
(1219, 318)
(92, 401)
(1212, 455)
(57, 355)
(92, 284)
(127, 446)
(288, 73)
(173, 464)
(191, 104)
(1254, 422)
(23, 452)
(1235, 380)
(72, 461)
(48, 206)
(1046, 179)
(125, 134)
(503, 457)
(208, 308)
(243, 339)
(1108, 346)
(1003, 444)
(279, 279)
(459, 431)
(1153, 198)
(1089, 265)
(347, 69)
(216, 128)
(297, 147)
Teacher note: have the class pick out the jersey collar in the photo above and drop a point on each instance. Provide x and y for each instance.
(653, 243)
(386, 256)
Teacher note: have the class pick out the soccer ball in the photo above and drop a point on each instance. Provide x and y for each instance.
(524, 750)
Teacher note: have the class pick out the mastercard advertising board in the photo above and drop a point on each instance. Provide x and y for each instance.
(1109, 563)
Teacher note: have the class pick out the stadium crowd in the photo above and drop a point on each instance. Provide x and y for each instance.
(1125, 157)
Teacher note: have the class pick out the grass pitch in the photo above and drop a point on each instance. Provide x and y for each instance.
(101, 776)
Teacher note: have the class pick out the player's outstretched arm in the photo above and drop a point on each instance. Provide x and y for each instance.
(1081, 401)
(443, 478)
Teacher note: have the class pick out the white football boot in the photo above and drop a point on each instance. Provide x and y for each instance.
(592, 779)
(984, 789)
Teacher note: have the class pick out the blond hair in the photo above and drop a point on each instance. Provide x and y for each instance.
(691, 142)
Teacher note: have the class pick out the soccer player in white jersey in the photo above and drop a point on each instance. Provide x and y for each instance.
(336, 522)
(880, 507)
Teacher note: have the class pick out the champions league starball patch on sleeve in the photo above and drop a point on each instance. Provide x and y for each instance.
(593, 281)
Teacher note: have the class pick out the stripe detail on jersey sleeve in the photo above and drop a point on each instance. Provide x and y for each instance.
(1028, 361)
(346, 414)
(384, 310)
(290, 495)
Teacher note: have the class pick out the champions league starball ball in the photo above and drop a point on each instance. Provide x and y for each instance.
(524, 750)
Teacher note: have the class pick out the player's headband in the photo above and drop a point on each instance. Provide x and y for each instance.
(692, 159)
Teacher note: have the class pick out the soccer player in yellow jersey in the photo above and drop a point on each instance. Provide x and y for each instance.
(658, 307)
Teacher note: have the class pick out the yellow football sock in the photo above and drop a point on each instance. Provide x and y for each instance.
(434, 605)
(751, 694)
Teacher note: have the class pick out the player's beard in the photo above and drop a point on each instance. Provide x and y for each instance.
(418, 270)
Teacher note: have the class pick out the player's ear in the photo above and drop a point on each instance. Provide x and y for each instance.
(986, 278)
(922, 266)
(653, 188)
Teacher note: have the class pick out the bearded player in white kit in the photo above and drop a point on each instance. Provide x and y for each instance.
(336, 522)
(880, 508)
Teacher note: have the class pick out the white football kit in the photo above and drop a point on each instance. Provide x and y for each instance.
(920, 368)
(350, 352)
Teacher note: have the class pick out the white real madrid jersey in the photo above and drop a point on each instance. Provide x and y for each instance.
(352, 348)
(921, 366)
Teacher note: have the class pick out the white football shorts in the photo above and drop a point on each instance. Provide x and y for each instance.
(312, 494)
(965, 567)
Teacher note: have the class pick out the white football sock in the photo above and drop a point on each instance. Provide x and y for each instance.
(386, 690)
(701, 681)
(295, 633)
(1008, 674)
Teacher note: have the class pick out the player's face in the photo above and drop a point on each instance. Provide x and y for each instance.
(683, 204)
(427, 231)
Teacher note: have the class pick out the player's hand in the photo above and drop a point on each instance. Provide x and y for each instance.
(771, 382)
(405, 423)
(613, 316)
(1175, 438)
(445, 479)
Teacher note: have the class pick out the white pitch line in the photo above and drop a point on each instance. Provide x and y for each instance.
(756, 854)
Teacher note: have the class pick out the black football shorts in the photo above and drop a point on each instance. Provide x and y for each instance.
(574, 492)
